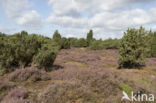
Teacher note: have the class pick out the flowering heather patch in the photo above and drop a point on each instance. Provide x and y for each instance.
(67, 92)
(98, 58)
(16, 100)
(5, 86)
(17, 93)
(151, 62)
(16, 96)
(34, 74)
(95, 79)
(79, 75)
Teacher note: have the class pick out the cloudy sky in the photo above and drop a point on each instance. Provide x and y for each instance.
(74, 18)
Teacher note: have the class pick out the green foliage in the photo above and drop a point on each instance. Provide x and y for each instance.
(153, 51)
(80, 43)
(56, 35)
(89, 37)
(65, 44)
(106, 44)
(152, 44)
(20, 49)
(133, 48)
(111, 44)
(72, 41)
(62, 42)
(96, 45)
(45, 56)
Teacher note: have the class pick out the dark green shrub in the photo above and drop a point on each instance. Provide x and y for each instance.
(153, 51)
(152, 44)
(89, 37)
(46, 55)
(133, 48)
(18, 50)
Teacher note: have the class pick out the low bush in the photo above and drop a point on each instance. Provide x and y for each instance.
(95, 79)
(32, 74)
(19, 50)
(17, 93)
(67, 92)
(45, 56)
(5, 86)
(16, 96)
(16, 100)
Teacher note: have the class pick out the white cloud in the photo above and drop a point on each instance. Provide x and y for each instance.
(124, 19)
(103, 16)
(30, 19)
(76, 17)
(18, 11)
(7, 29)
(67, 21)
(15, 8)
(72, 7)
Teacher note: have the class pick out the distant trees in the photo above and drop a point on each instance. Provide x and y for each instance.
(105, 44)
(62, 42)
(80, 43)
(23, 49)
(96, 45)
(89, 37)
(133, 48)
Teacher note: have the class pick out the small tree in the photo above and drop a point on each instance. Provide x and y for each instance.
(133, 48)
(56, 35)
(57, 38)
(89, 37)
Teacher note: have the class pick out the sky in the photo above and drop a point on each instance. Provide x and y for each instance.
(74, 18)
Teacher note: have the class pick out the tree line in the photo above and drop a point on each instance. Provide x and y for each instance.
(23, 49)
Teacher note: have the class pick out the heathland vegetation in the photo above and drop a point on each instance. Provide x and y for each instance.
(39, 69)
(23, 49)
